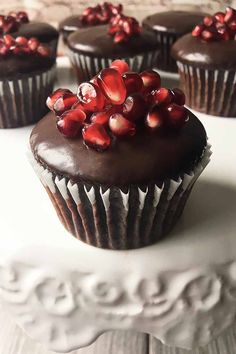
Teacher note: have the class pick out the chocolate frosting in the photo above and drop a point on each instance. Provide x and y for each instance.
(176, 22)
(71, 23)
(147, 157)
(96, 41)
(16, 65)
(43, 31)
(212, 55)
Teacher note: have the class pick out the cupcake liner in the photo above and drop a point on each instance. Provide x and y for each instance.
(165, 61)
(116, 219)
(87, 66)
(53, 46)
(209, 91)
(22, 100)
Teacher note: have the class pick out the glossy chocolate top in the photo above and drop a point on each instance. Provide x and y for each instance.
(146, 157)
(95, 40)
(71, 23)
(43, 31)
(213, 55)
(15, 65)
(179, 22)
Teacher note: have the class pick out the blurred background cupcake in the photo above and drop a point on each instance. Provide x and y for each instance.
(206, 60)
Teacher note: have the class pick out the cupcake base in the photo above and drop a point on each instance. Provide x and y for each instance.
(86, 66)
(116, 219)
(164, 61)
(22, 100)
(209, 91)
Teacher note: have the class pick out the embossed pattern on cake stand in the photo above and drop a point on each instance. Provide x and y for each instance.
(64, 293)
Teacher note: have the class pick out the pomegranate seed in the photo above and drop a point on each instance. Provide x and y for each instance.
(178, 96)
(121, 126)
(121, 37)
(22, 41)
(162, 96)
(87, 11)
(112, 85)
(208, 35)
(224, 33)
(9, 40)
(12, 13)
(91, 19)
(220, 17)
(127, 26)
(96, 136)
(208, 21)
(22, 16)
(43, 50)
(197, 31)
(113, 30)
(71, 123)
(18, 50)
(55, 95)
(120, 65)
(33, 44)
(151, 80)
(134, 107)
(101, 117)
(230, 15)
(3, 49)
(232, 25)
(133, 82)
(78, 105)
(91, 96)
(155, 118)
(177, 115)
(64, 103)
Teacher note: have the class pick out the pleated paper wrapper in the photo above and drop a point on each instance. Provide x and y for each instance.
(209, 91)
(86, 66)
(22, 99)
(116, 219)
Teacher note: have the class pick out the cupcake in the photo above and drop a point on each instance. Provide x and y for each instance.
(91, 16)
(94, 48)
(206, 60)
(18, 25)
(168, 27)
(119, 158)
(27, 71)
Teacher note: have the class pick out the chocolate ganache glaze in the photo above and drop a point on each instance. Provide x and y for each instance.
(176, 22)
(212, 55)
(147, 157)
(96, 41)
(43, 31)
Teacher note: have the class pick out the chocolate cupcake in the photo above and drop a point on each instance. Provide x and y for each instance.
(207, 65)
(93, 49)
(27, 71)
(91, 16)
(120, 158)
(18, 25)
(168, 27)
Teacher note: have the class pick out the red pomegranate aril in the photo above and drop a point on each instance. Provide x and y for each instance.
(224, 33)
(43, 50)
(3, 49)
(91, 97)
(162, 96)
(22, 16)
(176, 115)
(230, 15)
(220, 17)
(21, 41)
(232, 25)
(178, 96)
(127, 26)
(134, 107)
(120, 65)
(120, 37)
(96, 136)
(64, 103)
(33, 44)
(55, 95)
(151, 80)
(87, 11)
(208, 35)
(9, 40)
(120, 126)
(133, 82)
(112, 85)
(208, 21)
(197, 31)
(101, 117)
(155, 118)
(113, 30)
(71, 122)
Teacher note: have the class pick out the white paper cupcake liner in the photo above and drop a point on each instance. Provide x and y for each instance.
(22, 100)
(209, 91)
(165, 61)
(87, 66)
(116, 219)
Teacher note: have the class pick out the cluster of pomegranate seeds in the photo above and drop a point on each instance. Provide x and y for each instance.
(122, 28)
(22, 45)
(12, 21)
(117, 103)
(221, 26)
(100, 14)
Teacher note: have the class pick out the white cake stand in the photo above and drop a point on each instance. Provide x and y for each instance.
(64, 293)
